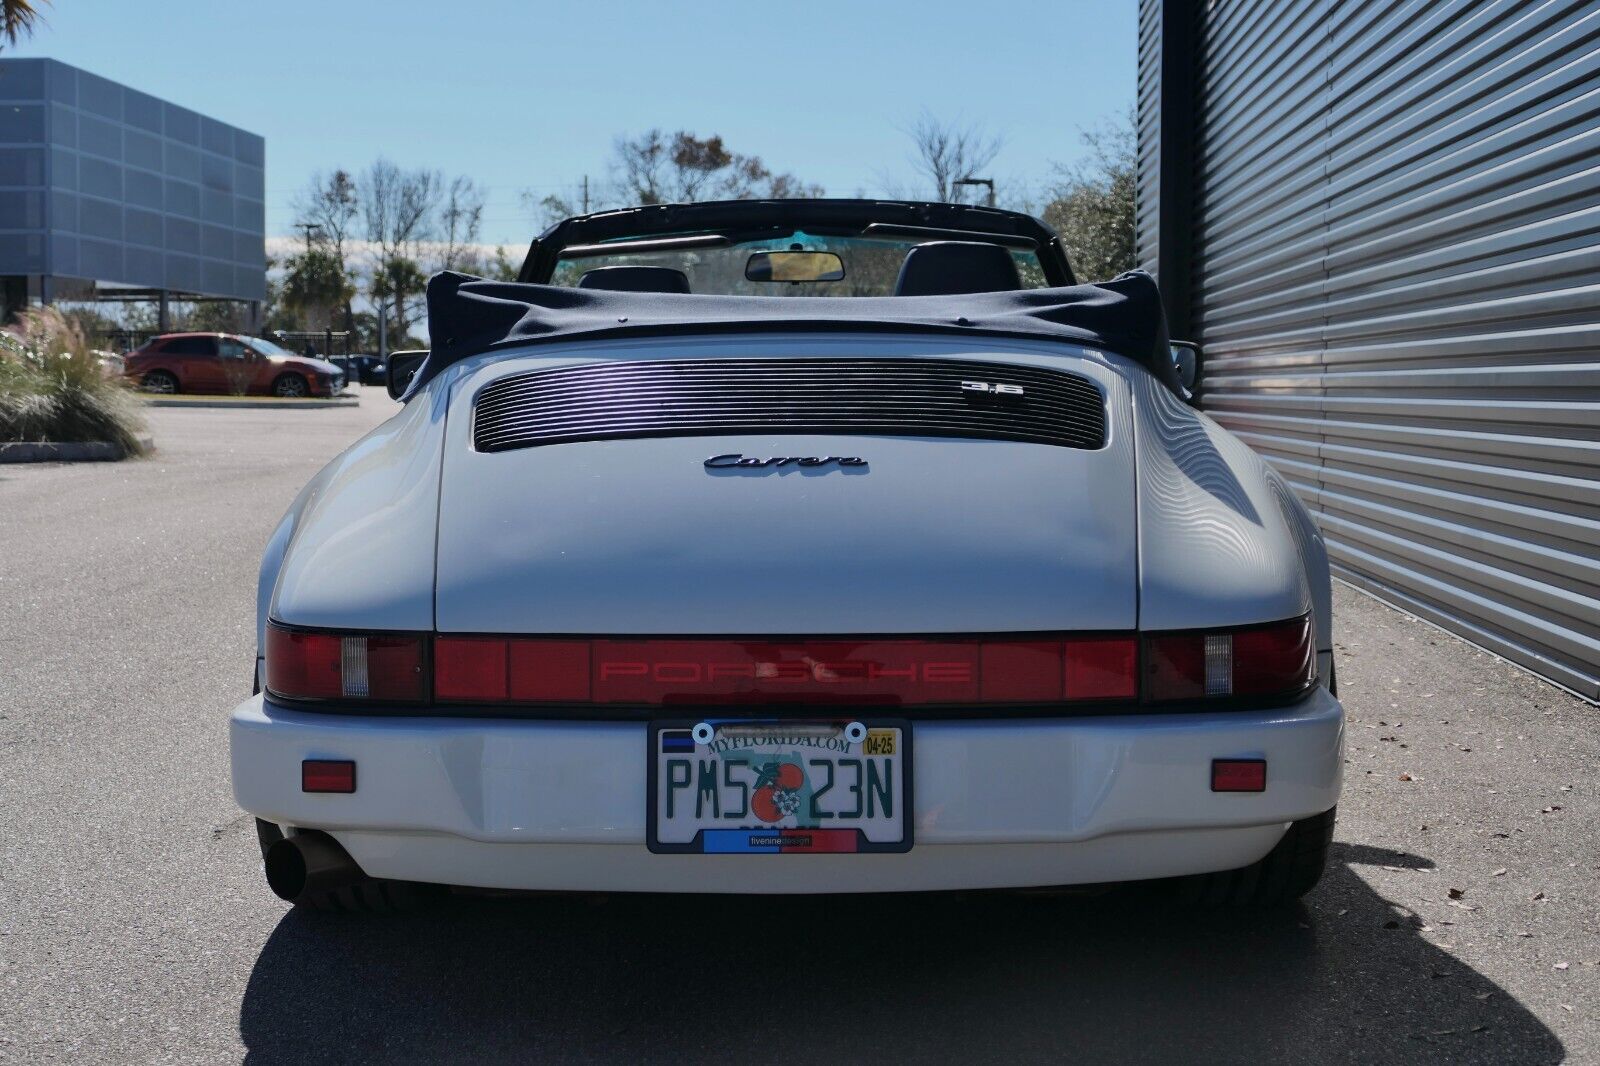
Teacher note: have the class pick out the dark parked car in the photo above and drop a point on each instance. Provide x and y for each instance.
(367, 369)
(225, 363)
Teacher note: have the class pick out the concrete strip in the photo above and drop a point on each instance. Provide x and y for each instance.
(269, 403)
(66, 452)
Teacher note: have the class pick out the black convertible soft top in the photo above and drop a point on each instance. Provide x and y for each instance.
(469, 315)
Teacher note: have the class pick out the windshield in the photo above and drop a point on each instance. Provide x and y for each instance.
(871, 265)
(266, 347)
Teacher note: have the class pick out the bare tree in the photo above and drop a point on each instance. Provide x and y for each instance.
(400, 210)
(947, 152)
(654, 168)
(399, 206)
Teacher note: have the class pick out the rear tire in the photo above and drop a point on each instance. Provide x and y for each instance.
(159, 381)
(375, 897)
(291, 385)
(1290, 870)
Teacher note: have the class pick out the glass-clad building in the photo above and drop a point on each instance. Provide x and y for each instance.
(107, 191)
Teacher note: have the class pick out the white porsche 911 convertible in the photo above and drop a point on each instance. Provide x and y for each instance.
(793, 546)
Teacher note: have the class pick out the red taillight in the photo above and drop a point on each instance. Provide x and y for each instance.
(333, 666)
(869, 671)
(1271, 660)
(1268, 660)
(516, 670)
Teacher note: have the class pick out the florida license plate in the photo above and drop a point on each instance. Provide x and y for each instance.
(779, 788)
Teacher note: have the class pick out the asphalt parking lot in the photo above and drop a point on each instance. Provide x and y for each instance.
(1458, 922)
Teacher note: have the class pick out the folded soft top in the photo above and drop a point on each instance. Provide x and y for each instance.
(469, 315)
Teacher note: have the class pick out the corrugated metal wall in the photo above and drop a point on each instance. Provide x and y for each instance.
(1396, 276)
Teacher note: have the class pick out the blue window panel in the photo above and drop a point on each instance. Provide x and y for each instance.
(144, 189)
(63, 253)
(142, 110)
(183, 162)
(22, 166)
(63, 82)
(99, 178)
(216, 173)
(183, 235)
(141, 149)
(100, 218)
(22, 210)
(216, 242)
(215, 137)
(250, 248)
(183, 272)
(63, 126)
(64, 212)
(250, 216)
(143, 266)
(21, 253)
(22, 123)
(181, 124)
(100, 137)
(250, 182)
(249, 149)
(100, 96)
(218, 277)
(183, 199)
(216, 207)
(23, 79)
(63, 168)
(101, 260)
(144, 227)
(249, 283)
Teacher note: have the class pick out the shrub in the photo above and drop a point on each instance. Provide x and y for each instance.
(54, 389)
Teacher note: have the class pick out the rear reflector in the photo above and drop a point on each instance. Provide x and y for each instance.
(327, 775)
(1270, 660)
(1238, 775)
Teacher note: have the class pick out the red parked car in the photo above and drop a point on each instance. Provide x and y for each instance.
(225, 363)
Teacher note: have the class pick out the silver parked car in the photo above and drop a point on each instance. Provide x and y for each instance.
(793, 546)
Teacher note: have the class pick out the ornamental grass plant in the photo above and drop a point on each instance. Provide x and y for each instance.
(54, 389)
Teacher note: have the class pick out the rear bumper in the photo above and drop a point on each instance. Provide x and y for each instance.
(999, 803)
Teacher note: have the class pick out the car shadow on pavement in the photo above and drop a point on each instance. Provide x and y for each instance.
(964, 977)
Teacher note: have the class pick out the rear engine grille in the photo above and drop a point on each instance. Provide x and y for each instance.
(702, 397)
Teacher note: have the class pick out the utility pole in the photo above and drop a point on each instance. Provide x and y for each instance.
(978, 181)
(586, 194)
(309, 228)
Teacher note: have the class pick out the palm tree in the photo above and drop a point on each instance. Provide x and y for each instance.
(17, 18)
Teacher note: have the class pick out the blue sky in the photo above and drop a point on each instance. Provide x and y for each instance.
(531, 95)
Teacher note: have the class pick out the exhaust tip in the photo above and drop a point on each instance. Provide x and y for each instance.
(308, 863)
(286, 870)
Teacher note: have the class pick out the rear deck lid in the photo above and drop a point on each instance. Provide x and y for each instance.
(584, 502)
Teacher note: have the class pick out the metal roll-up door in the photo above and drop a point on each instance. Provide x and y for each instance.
(1396, 275)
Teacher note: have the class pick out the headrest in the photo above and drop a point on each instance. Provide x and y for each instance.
(944, 268)
(635, 279)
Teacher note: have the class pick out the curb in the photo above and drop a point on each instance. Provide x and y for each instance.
(73, 452)
(264, 405)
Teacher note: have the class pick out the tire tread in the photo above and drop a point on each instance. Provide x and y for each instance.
(1290, 870)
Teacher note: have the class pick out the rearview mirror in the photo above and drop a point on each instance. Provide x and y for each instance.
(402, 368)
(794, 266)
(1186, 361)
